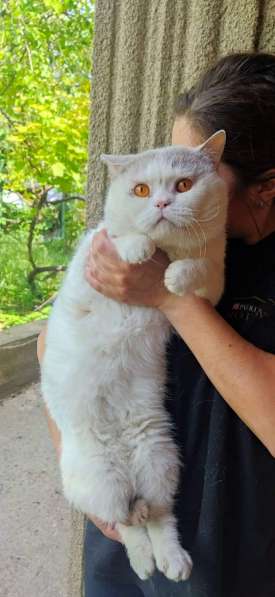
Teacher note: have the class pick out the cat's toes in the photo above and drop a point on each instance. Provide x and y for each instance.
(174, 286)
(132, 251)
(139, 549)
(212, 294)
(178, 278)
(139, 513)
(142, 561)
(175, 564)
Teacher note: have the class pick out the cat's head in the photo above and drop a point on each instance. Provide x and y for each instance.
(169, 193)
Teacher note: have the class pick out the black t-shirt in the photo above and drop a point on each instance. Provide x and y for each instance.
(226, 500)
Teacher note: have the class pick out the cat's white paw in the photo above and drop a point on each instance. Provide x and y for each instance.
(142, 559)
(139, 549)
(135, 248)
(181, 276)
(175, 562)
(213, 294)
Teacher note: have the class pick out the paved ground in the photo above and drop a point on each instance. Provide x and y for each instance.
(35, 520)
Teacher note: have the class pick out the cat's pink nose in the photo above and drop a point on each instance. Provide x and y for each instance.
(162, 203)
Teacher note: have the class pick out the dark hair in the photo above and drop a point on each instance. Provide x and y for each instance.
(237, 94)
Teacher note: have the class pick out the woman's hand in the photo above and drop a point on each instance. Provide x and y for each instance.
(138, 284)
(107, 529)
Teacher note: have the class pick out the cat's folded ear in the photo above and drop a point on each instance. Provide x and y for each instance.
(117, 163)
(214, 146)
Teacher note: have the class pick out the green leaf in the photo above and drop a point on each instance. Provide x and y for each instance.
(58, 169)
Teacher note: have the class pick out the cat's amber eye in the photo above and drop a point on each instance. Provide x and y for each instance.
(142, 190)
(183, 185)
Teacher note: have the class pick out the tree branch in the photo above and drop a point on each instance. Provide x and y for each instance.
(33, 223)
(65, 199)
(12, 79)
(49, 301)
(7, 117)
(54, 269)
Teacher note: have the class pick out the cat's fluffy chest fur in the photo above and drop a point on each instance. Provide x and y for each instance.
(214, 249)
(104, 373)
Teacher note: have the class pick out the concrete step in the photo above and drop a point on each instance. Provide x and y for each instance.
(18, 361)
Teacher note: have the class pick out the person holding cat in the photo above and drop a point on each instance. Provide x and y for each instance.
(220, 361)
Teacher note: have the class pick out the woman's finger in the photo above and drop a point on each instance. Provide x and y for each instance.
(106, 276)
(102, 245)
(107, 262)
(108, 272)
(116, 292)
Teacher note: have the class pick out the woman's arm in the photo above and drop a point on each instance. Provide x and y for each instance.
(53, 429)
(107, 530)
(243, 374)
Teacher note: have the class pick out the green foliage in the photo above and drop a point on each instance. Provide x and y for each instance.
(45, 63)
(17, 300)
(11, 218)
(15, 292)
(45, 49)
(7, 320)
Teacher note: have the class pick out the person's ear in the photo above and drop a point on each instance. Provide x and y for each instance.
(262, 192)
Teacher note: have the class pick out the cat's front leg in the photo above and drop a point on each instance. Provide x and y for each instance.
(134, 248)
(201, 276)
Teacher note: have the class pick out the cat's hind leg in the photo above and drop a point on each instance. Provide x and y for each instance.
(171, 558)
(156, 464)
(92, 482)
(139, 549)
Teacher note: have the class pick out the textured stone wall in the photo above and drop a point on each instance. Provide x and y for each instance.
(148, 51)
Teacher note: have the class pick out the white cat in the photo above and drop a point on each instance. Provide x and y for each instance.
(103, 374)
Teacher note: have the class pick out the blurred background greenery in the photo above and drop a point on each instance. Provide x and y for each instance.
(45, 78)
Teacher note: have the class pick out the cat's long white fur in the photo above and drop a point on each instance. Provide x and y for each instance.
(103, 373)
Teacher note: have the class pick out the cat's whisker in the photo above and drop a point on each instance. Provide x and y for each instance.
(210, 214)
(196, 233)
(197, 209)
(187, 228)
(190, 236)
(194, 221)
(209, 219)
(204, 236)
(154, 261)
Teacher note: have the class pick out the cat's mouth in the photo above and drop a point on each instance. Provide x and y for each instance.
(160, 219)
(163, 219)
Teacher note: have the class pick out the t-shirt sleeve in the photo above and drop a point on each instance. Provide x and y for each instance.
(253, 318)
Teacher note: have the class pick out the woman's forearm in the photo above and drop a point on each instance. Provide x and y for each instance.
(53, 429)
(243, 374)
(56, 436)
(54, 433)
